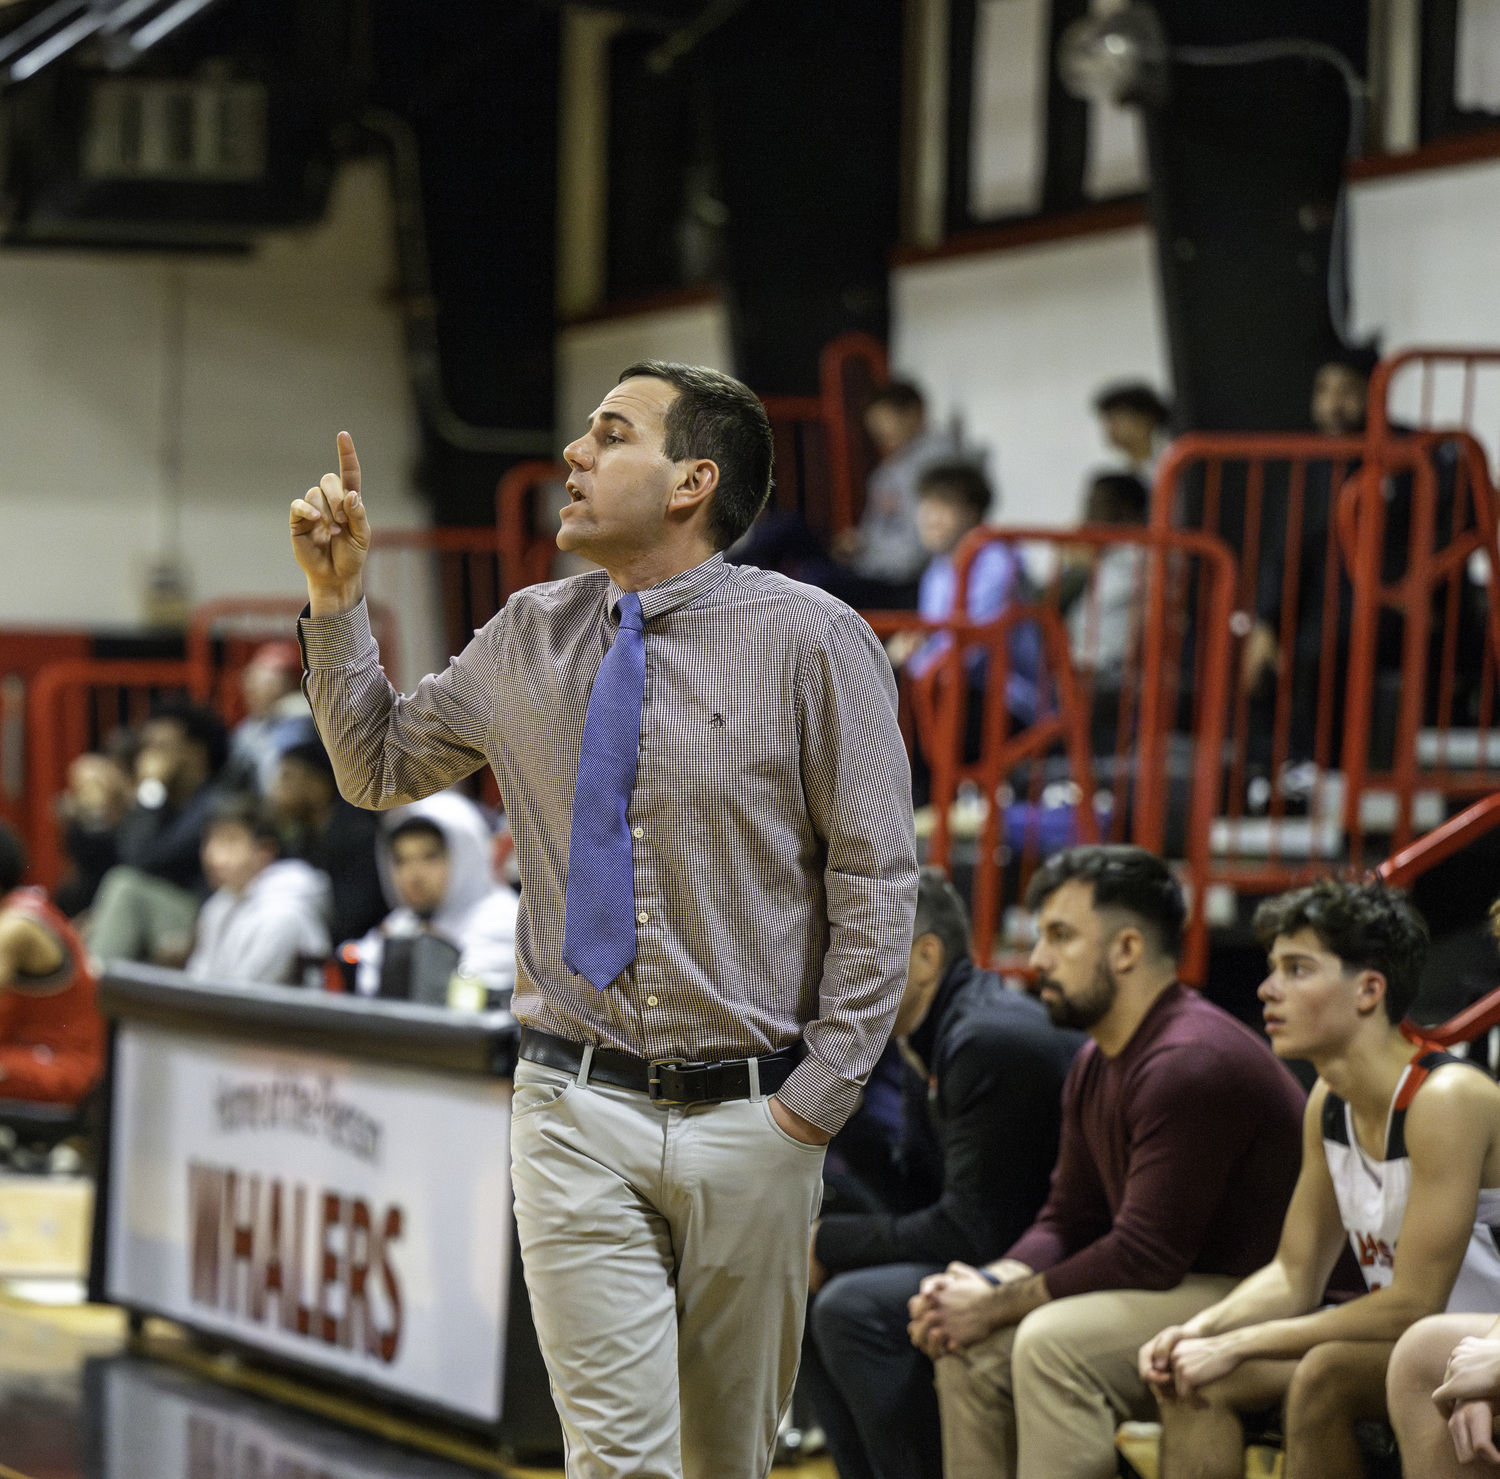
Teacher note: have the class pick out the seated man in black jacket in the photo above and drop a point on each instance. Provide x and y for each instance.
(985, 1069)
(148, 902)
(321, 828)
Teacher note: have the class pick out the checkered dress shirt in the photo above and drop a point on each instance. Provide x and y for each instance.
(775, 868)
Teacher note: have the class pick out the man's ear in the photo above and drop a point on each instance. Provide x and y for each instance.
(1369, 992)
(1127, 950)
(694, 489)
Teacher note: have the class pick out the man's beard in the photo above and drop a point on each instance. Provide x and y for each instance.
(1087, 1008)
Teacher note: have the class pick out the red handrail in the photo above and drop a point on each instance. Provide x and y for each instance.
(525, 556)
(49, 749)
(941, 712)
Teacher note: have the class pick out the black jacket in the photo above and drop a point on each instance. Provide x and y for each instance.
(994, 1101)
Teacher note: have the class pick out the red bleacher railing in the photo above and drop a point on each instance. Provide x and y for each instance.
(1407, 512)
(1452, 392)
(73, 707)
(1402, 869)
(526, 548)
(1055, 750)
(823, 456)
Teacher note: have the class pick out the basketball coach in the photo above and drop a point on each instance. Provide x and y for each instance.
(712, 813)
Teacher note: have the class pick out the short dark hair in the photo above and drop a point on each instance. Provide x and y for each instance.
(311, 754)
(957, 482)
(247, 812)
(1134, 396)
(12, 860)
(1117, 498)
(1123, 877)
(1358, 359)
(717, 417)
(1368, 926)
(941, 912)
(199, 725)
(417, 827)
(899, 395)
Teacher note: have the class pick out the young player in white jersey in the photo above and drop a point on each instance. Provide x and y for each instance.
(1400, 1160)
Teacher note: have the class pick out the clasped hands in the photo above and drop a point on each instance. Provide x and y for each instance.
(1178, 1361)
(958, 1307)
(1468, 1390)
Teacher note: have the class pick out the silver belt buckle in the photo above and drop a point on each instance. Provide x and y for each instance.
(653, 1079)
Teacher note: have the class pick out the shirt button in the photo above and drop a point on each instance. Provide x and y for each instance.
(643, 917)
(650, 1001)
(640, 831)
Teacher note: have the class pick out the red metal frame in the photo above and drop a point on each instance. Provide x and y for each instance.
(525, 555)
(1359, 469)
(60, 731)
(939, 698)
(823, 457)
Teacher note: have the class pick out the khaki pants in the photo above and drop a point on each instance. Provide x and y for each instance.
(666, 1257)
(1042, 1399)
(137, 916)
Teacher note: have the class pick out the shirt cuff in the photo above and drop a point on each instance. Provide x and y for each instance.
(336, 641)
(819, 1095)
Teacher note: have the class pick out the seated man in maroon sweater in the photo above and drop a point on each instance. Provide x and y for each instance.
(1181, 1139)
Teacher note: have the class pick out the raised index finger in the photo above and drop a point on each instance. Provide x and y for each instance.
(348, 463)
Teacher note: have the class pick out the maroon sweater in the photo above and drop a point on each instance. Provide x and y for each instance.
(1177, 1157)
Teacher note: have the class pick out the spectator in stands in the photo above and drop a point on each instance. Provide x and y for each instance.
(987, 1068)
(1101, 591)
(276, 717)
(1135, 420)
(1338, 408)
(267, 920)
(878, 564)
(437, 858)
(320, 827)
(1101, 594)
(1179, 1149)
(954, 499)
(1399, 1143)
(91, 810)
(147, 903)
(1341, 393)
(887, 545)
(51, 1034)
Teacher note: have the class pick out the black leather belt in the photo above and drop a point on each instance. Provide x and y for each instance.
(664, 1080)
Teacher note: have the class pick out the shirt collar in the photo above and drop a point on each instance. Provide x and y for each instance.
(669, 595)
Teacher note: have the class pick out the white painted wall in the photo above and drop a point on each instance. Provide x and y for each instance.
(1016, 343)
(590, 356)
(1425, 268)
(280, 351)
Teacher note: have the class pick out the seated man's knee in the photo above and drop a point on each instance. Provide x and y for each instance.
(836, 1311)
(1327, 1386)
(1420, 1359)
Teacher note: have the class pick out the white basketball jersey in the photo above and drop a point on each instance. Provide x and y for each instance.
(1372, 1196)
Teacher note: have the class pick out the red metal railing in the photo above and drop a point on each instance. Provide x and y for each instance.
(1402, 869)
(1361, 546)
(73, 707)
(823, 456)
(1437, 388)
(1056, 749)
(527, 539)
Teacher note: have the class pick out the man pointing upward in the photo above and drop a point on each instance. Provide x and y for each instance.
(711, 805)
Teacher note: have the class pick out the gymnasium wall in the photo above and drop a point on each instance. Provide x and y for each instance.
(1015, 343)
(591, 355)
(266, 357)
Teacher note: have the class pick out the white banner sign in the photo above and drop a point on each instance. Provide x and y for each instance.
(350, 1214)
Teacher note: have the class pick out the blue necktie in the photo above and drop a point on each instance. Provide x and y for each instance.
(599, 926)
